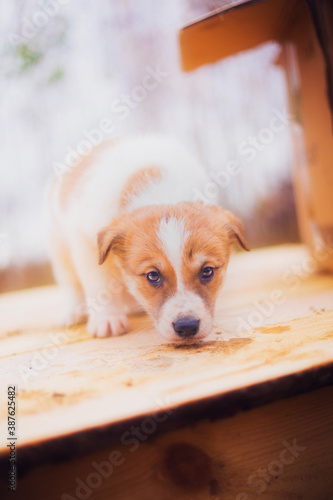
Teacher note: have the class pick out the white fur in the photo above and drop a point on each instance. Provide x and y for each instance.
(99, 201)
(184, 303)
(73, 229)
(173, 236)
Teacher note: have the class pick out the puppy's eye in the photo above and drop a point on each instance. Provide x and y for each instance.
(154, 278)
(206, 273)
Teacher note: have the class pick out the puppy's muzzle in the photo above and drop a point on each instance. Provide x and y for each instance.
(186, 327)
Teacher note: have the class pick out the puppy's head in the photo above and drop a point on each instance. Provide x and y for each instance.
(173, 259)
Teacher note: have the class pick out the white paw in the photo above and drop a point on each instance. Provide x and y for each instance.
(108, 326)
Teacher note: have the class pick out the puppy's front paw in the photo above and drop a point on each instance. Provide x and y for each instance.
(108, 326)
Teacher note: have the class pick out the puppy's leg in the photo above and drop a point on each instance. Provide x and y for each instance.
(104, 291)
(74, 310)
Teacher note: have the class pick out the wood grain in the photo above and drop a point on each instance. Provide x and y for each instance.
(68, 382)
(281, 451)
(232, 29)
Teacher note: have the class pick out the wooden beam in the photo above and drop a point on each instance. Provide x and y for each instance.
(231, 30)
(278, 451)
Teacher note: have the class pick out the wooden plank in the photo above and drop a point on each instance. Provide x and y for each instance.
(309, 90)
(279, 451)
(274, 320)
(230, 30)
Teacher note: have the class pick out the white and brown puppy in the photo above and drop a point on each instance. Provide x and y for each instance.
(124, 233)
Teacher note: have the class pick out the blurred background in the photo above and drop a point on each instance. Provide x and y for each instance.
(70, 66)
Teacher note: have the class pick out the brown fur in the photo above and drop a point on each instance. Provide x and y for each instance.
(212, 233)
(137, 182)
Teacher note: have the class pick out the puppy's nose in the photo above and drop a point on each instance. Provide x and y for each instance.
(186, 327)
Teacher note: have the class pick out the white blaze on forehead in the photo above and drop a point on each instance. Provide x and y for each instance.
(172, 235)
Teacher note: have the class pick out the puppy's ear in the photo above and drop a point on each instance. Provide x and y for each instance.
(236, 229)
(112, 238)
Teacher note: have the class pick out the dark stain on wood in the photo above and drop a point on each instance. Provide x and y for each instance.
(211, 347)
(188, 466)
(58, 395)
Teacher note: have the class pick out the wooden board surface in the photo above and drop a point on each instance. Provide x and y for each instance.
(277, 451)
(274, 319)
(232, 29)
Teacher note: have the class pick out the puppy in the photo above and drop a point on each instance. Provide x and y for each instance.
(126, 234)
